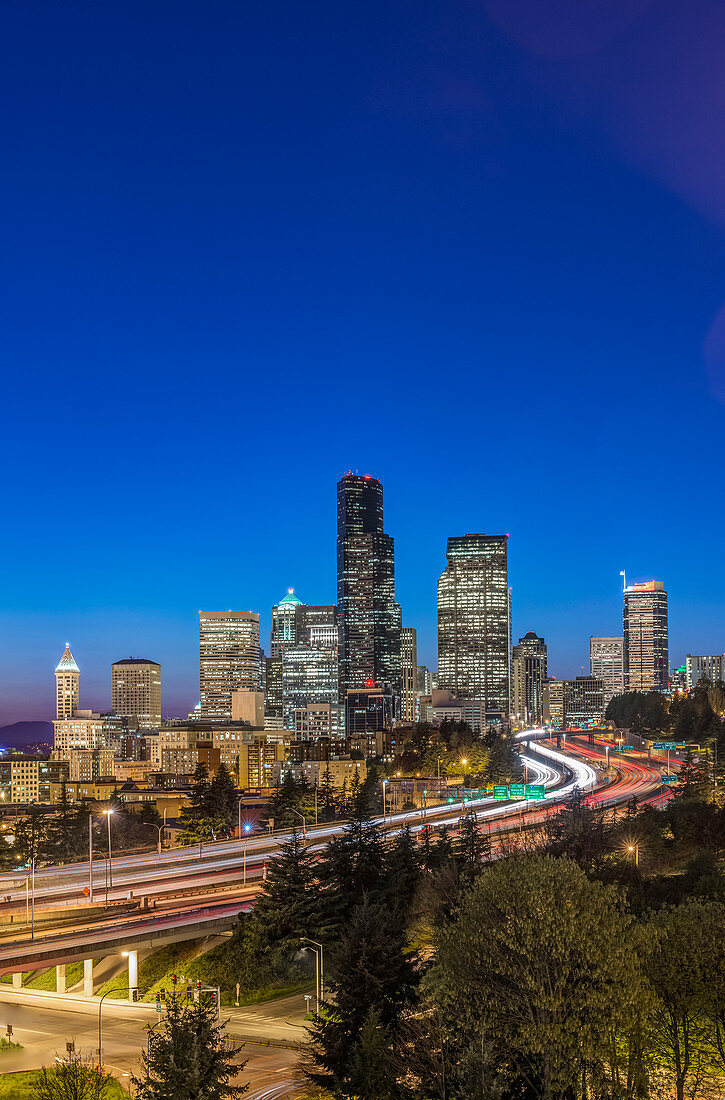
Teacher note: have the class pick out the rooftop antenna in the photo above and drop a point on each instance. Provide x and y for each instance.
(623, 574)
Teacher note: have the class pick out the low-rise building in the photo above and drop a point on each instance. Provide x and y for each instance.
(338, 771)
(86, 764)
(577, 702)
(25, 779)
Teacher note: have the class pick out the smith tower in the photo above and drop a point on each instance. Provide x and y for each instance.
(369, 618)
(67, 676)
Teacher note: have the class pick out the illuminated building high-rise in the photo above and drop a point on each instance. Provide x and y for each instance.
(136, 691)
(528, 676)
(229, 658)
(284, 618)
(473, 621)
(369, 618)
(409, 673)
(606, 662)
(67, 677)
(646, 645)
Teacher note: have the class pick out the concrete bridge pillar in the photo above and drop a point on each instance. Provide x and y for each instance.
(18, 980)
(60, 978)
(88, 977)
(132, 974)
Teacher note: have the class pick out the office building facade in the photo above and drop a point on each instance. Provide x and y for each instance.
(67, 680)
(408, 673)
(369, 618)
(136, 691)
(310, 675)
(606, 663)
(528, 676)
(703, 668)
(284, 622)
(578, 702)
(473, 621)
(229, 658)
(645, 641)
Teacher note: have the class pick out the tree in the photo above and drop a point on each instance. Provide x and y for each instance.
(677, 960)
(73, 1078)
(288, 906)
(401, 872)
(534, 971)
(289, 801)
(373, 1071)
(472, 848)
(189, 1057)
(372, 975)
(220, 801)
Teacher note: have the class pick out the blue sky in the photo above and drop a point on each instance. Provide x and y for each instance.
(247, 247)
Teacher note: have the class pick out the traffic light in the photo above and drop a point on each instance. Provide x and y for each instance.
(174, 979)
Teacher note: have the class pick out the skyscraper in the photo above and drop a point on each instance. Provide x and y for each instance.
(67, 677)
(284, 622)
(229, 658)
(646, 647)
(408, 673)
(136, 691)
(606, 662)
(473, 621)
(528, 675)
(369, 618)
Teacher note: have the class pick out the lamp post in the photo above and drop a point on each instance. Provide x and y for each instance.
(246, 840)
(100, 1006)
(304, 823)
(108, 814)
(385, 784)
(90, 857)
(634, 848)
(160, 829)
(319, 968)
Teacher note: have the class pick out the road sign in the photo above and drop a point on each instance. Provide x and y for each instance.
(627, 748)
(500, 791)
(665, 745)
(669, 778)
(517, 790)
(535, 790)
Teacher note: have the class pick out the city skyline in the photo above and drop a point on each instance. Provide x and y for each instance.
(183, 695)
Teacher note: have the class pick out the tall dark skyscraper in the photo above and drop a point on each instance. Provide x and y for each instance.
(369, 618)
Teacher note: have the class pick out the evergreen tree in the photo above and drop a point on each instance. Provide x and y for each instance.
(221, 797)
(372, 975)
(352, 866)
(189, 1057)
(373, 1070)
(326, 796)
(402, 873)
(288, 906)
(290, 800)
(472, 848)
(200, 787)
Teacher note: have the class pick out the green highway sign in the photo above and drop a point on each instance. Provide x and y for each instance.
(669, 778)
(500, 791)
(517, 790)
(665, 745)
(535, 790)
(628, 748)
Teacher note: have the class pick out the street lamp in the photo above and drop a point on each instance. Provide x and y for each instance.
(304, 823)
(160, 831)
(100, 1006)
(247, 828)
(385, 784)
(634, 848)
(319, 968)
(108, 814)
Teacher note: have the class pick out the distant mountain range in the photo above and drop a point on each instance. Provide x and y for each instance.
(21, 735)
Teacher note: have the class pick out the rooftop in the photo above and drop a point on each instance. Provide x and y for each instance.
(67, 663)
(290, 600)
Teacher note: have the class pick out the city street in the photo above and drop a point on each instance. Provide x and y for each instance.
(44, 1034)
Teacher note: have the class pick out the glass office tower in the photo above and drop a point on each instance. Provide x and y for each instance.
(369, 618)
(473, 621)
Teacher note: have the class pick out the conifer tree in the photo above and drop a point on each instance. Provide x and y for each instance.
(289, 904)
(472, 848)
(189, 1057)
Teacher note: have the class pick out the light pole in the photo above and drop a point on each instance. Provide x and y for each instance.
(385, 784)
(160, 831)
(634, 848)
(32, 899)
(319, 968)
(246, 840)
(100, 1006)
(108, 814)
(90, 857)
(304, 823)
